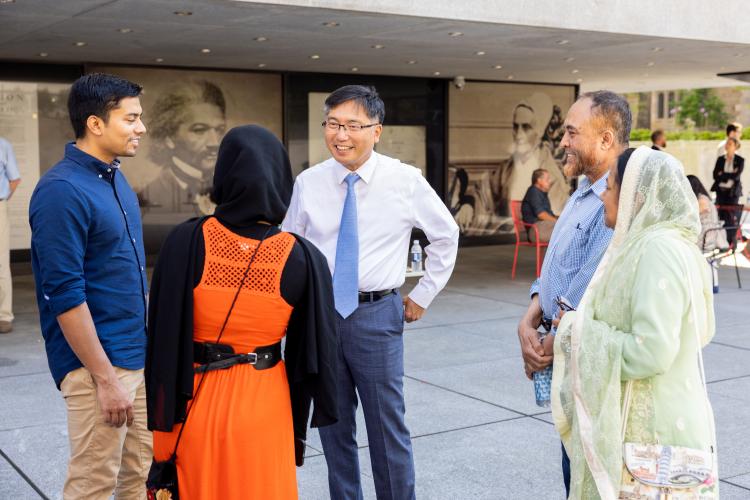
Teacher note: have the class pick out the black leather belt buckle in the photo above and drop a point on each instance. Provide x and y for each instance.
(374, 296)
(267, 357)
(212, 356)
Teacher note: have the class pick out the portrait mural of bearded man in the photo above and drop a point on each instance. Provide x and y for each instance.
(187, 114)
(500, 134)
(530, 119)
(188, 123)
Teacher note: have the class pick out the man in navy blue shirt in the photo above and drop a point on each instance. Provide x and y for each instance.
(536, 208)
(89, 268)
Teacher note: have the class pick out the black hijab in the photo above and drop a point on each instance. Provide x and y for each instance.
(252, 182)
(252, 179)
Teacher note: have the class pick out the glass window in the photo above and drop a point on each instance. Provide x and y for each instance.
(660, 105)
(671, 104)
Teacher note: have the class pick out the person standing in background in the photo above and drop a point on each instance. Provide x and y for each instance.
(658, 140)
(10, 178)
(734, 130)
(727, 185)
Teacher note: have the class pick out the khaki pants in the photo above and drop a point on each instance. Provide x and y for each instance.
(6, 284)
(104, 459)
(545, 228)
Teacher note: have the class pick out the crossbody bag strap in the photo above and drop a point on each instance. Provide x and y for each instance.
(709, 417)
(221, 332)
(629, 386)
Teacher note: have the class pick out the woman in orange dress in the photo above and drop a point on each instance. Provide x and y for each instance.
(226, 290)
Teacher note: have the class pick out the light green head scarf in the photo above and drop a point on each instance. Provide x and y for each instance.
(654, 195)
(656, 201)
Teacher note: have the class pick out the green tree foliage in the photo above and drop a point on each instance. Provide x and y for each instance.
(644, 134)
(703, 107)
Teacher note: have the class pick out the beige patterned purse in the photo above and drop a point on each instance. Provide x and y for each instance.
(663, 472)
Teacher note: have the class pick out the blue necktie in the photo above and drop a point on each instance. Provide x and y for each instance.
(346, 272)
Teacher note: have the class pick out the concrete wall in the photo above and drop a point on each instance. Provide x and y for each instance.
(684, 19)
(699, 157)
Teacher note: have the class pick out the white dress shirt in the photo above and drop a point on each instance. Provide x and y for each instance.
(392, 198)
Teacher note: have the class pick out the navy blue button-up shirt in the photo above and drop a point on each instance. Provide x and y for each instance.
(86, 246)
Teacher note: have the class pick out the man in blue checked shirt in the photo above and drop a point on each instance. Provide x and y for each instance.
(89, 269)
(10, 178)
(597, 131)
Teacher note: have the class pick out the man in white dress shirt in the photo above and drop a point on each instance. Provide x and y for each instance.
(359, 208)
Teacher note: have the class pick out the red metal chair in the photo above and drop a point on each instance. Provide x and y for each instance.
(522, 240)
(735, 218)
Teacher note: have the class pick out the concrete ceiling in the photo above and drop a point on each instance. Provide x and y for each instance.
(412, 45)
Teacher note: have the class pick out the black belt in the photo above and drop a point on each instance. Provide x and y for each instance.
(221, 356)
(375, 296)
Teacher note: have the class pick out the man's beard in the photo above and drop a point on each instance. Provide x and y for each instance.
(582, 162)
(523, 152)
(206, 164)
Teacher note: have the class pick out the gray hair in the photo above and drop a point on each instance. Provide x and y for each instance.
(613, 110)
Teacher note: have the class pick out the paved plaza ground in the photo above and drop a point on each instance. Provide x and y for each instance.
(477, 433)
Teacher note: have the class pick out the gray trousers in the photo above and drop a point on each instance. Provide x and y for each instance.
(371, 362)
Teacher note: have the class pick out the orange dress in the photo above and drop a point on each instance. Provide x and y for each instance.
(239, 439)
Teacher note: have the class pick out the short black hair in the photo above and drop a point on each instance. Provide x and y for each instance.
(731, 128)
(614, 110)
(537, 174)
(97, 94)
(656, 134)
(364, 95)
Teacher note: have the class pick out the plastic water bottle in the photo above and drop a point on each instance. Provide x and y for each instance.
(543, 386)
(415, 257)
(715, 273)
(543, 383)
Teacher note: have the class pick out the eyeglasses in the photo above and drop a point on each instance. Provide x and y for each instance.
(333, 126)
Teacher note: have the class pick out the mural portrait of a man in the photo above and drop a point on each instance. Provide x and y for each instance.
(186, 125)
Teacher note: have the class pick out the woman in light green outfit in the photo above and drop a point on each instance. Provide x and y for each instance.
(636, 322)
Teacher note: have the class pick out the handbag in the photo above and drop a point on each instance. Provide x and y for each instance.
(664, 472)
(162, 477)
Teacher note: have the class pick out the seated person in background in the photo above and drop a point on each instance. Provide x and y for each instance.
(709, 218)
(536, 209)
